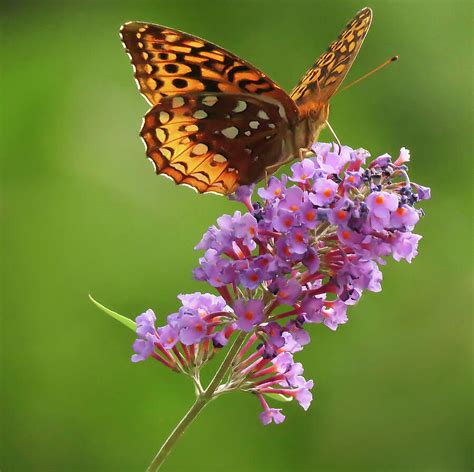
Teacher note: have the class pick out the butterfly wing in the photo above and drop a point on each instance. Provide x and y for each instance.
(323, 79)
(215, 142)
(169, 62)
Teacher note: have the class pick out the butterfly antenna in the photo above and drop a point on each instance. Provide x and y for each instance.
(333, 133)
(386, 63)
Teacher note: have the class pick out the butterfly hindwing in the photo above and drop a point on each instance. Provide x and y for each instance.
(215, 142)
(169, 62)
(323, 79)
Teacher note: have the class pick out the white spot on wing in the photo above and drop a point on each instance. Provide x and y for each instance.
(241, 106)
(164, 117)
(177, 102)
(166, 153)
(254, 124)
(200, 149)
(231, 132)
(282, 111)
(263, 115)
(160, 134)
(210, 100)
(219, 158)
(199, 114)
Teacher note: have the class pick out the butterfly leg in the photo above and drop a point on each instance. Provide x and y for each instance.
(302, 153)
(271, 169)
(333, 133)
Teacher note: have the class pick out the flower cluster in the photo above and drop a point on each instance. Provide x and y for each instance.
(302, 255)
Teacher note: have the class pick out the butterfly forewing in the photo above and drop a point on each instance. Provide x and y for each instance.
(169, 62)
(323, 79)
(215, 142)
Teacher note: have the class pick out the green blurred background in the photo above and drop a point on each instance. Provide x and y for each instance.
(84, 213)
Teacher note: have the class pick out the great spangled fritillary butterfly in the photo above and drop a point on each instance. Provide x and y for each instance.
(216, 121)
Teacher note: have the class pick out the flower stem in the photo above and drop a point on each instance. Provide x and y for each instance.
(201, 401)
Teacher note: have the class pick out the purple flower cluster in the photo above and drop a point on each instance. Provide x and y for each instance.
(302, 255)
(194, 326)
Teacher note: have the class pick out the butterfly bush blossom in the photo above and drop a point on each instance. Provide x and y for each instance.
(301, 255)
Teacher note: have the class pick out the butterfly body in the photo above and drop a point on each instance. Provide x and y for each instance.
(216, 121)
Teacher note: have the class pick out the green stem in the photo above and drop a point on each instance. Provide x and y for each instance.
(201, 401)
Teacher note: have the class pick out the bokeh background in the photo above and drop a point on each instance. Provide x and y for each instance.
(83, 213)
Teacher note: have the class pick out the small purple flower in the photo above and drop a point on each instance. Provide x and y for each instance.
(309, 215)
(168, 336)
(283, 362)
(293, 374)
(298, 240)
(299, 335)
(193, 329)
(245, 227)
(359, 155)
(243, 194)
(311, 260)
(311, 308)
(381, 162)
(288, 291)
(284, 220)
(352, 180)
(293, 200)
(219, 338)
(405, 246)
(331, 162)
(403, 157)
(302, 171)
(274, 189)
(146, 323)
(381, 204)
(249, 313)
(274, 332)
(324, 192)
(424, 193)
(272, 414)
(203, 303)
(336, 315)
(251, 278)
(341, 213)
(303, 395)
(404, 217)
(143, 347)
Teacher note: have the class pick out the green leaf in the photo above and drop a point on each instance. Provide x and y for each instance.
(278, 397)
(122, 319)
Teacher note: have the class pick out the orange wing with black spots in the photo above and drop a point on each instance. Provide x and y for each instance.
(169, 62)
(323, 79)
(214, 142)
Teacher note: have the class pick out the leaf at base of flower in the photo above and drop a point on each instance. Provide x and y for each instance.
(278, 397)
(122, 319)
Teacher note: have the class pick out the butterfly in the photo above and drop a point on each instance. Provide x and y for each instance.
(216, 121)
